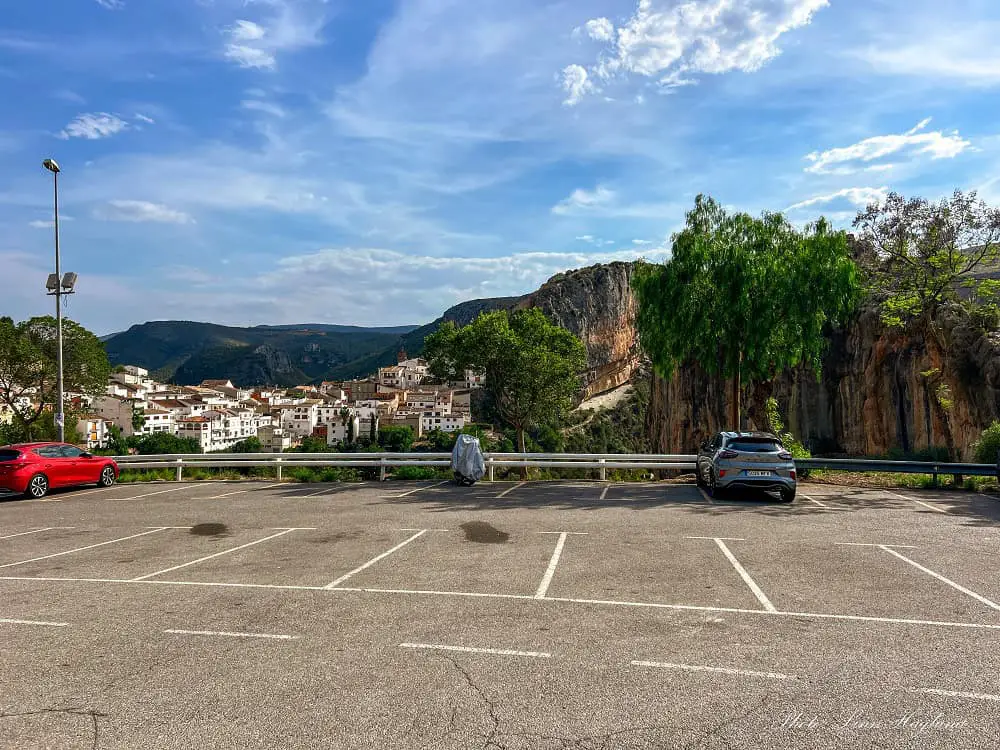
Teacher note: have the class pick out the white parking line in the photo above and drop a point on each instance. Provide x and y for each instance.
(817, 502)
(81, 549)
(523, 597)
(508, 491)
(374, 560)
(234, 635)
(720, 670)
(604, 493)
(918, 502)
(470, 650)
(867, 544)
(430, 486)
(150, 494)
(761, 596)
(217, 554)
(240, 492)
(928, 571)
(957, 694)
(4, 621)
(36, 531)
(543, 587)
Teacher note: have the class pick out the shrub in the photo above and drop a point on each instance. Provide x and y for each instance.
(988, 445)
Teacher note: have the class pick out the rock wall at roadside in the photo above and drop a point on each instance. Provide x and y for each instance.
(880, 390)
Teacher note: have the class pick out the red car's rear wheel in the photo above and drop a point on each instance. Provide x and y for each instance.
(38, 487)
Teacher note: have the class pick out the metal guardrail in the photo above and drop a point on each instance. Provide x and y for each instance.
(385, 461)
(957, 470)
(599, 461)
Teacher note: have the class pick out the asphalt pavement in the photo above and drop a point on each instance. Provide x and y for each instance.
(508, 615)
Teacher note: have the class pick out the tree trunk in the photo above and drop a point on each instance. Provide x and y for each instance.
(737, 386)
(522, 449)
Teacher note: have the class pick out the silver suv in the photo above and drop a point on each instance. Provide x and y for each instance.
(752, 460)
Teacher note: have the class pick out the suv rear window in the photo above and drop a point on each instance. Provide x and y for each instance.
(754, 445)
(8, 454)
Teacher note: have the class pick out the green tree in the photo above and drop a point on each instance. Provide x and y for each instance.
(396, 438)
(917, 256)
(138, 419)
(28, 367)
(440, 441)
(372, 431)
(744, 297)
(248, 445)
(161, 443)
(532, 367)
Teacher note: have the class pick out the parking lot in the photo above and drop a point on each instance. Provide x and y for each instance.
(508, 615)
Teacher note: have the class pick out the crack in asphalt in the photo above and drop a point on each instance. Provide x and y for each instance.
(92, 713)
(491, 741)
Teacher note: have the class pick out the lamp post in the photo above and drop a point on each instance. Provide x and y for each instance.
(58, 285)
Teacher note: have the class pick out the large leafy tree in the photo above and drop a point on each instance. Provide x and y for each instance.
(29, 365)
(532, 366)
(918, 255)
(744, 297)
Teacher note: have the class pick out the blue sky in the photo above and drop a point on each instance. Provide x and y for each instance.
(375, 161)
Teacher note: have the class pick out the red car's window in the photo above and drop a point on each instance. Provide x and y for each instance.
(9, 455)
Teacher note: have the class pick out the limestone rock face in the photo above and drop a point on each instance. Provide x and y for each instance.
(597, 305)
(880, 390)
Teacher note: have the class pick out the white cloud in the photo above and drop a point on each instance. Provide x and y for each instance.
(929, 47)
(48, 223)
(881, 152)
(141, 211)
(642, 242)
(250, 57)
(262, 106)
(576, 83)
(93, 126)
(600, 29)
(145, 119)
(111, 4)
(856, 196)
(581, 200)
(291, 26)
(671, 42)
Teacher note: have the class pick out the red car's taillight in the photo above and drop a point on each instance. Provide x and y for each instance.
(729, 454)
(785, 456)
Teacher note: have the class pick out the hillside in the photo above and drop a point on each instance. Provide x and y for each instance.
(413, 341)
(188, 352)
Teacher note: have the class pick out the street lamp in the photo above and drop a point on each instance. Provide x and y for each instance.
(57, 285)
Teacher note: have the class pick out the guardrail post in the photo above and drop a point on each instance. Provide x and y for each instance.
(277, 463)
(604, 470)
(492, 468)
(381, 469)
(180, 469)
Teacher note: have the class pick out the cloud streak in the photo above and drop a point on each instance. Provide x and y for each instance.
(141, 211)
(94, 126)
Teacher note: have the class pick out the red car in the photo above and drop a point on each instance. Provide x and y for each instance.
(32, 469)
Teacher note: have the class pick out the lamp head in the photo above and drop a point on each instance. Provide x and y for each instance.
(53, 283)
(69, 281)
(51, 165)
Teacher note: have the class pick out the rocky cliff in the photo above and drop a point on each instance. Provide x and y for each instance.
(880, 390)
(597, 305)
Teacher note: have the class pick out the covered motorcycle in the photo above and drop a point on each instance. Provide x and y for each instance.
(467, 461)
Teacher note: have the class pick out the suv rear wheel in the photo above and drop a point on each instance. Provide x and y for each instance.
(788, 496)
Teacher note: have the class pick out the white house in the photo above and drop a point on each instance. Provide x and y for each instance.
(157, 420)
(273, 439)
(93, 431)
(215, 430)
(299, 420)
(339, 431)
(440, 419)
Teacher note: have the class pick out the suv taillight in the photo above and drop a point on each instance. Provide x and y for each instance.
(729, 454)
(785, 456)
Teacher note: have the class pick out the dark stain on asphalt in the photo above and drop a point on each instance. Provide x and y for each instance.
(210, 529)
(483, 533)
(338, 536)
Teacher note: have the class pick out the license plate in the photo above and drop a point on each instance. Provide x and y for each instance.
(758, 473)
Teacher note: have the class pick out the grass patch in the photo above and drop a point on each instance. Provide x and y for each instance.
(889, 480)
